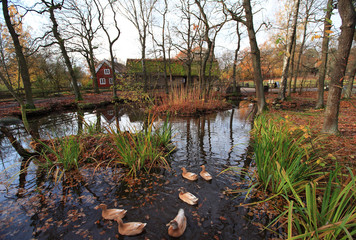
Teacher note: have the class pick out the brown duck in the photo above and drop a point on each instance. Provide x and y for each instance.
(111, 214)
(187, 197)
(130, 228)
(189, 175)
(177, 225)
(204, 174)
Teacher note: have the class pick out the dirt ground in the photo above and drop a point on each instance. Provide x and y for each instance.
(300, 110)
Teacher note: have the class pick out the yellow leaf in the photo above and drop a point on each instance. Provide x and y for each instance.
(329, 31)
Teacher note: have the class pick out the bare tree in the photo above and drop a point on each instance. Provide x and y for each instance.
(308, 14)
(287, 56)
(324, 54)
(50, 7)
(81, 21)
(162, 44)
(348, 17)
(22, 63)
(187, 34)
(111, 35)
(236, 15)
(139, 13)
(210, 33)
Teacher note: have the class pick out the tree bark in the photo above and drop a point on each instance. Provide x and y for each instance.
(324, 55)
(348, 17)
(25, 75)
(350, 76)
(287, 56)
(256, 57)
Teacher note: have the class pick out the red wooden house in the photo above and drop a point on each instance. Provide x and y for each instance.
(104, 73)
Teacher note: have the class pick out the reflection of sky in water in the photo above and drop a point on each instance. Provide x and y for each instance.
(220, 138)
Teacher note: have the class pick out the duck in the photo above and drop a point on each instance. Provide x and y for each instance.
(130, 228)
(204, 174)
(189, 175)
(177, 225)
(111, 214)
(187, 197)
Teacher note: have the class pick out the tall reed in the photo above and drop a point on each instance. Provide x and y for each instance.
(328, 211)
(283, 153)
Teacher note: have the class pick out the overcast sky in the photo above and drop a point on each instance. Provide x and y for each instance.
(128, 45)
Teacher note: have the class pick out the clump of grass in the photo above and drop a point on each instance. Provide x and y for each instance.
(61, 155)
(284, 154)
(142, 149)
(327, 211)
(91, 128)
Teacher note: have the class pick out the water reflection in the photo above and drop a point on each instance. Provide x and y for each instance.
(44, 210)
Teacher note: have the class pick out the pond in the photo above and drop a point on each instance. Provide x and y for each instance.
(34, 207)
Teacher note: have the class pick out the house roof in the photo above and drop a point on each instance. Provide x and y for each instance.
(119, 68)
(176, 66)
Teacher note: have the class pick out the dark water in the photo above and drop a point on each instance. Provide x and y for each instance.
(33, 207)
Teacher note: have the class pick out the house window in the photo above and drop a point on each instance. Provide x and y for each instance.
(107, 71)
(102, 81)
(111, 81)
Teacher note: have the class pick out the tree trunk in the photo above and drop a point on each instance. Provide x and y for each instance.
(324, 55)
(60, 42)
(143, 63)
(350, 78)
(292, 68)
(286, 60)
(348, 17)
(300, 52)
(234, 81)
(25, 75)
(256, 58)
(114, 94)
(91, 64)
(18, 147)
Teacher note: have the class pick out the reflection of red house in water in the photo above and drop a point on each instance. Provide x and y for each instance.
(104, 73)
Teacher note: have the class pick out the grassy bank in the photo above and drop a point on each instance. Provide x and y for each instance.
(307, 176)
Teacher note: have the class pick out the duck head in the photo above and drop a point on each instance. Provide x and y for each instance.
(173, 224)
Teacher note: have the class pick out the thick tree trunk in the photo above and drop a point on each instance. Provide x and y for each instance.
(324, 55)
(60, 42)
(348, 17)
(25, 75)
(256, 58)
(286, 60)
